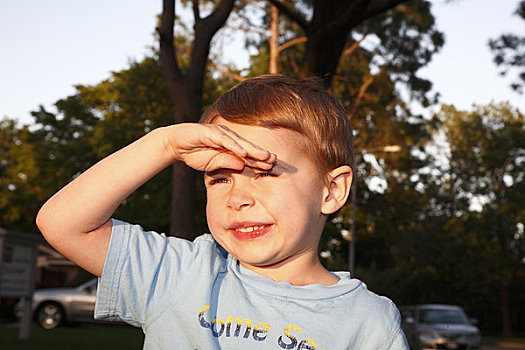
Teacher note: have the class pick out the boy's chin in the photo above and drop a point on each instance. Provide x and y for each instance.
(254, 262)
(254, 265)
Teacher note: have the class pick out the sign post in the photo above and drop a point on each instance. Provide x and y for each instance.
(18, 253)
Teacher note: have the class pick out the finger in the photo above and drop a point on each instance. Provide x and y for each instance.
(253, 150)
(220, 138)
(264, 165)
(225, 161)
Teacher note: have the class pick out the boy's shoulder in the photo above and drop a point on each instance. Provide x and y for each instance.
(377, 310)
(371, 301)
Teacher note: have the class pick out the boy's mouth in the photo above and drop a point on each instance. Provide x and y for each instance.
(250, 231)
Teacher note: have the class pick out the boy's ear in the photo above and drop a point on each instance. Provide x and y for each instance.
(337, 190)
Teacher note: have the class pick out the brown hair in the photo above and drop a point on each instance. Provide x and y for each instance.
(301, 105)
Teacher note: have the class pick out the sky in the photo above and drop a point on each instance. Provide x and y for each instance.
(48, 47)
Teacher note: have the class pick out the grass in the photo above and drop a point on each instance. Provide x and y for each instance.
(99, 337)
(109, 337)
(499, 340)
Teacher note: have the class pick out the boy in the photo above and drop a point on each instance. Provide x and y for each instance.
(275, 154)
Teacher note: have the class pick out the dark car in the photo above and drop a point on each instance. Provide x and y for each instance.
(436, 326)
(55, 306)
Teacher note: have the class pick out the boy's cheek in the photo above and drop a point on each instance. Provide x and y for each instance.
(212, 219)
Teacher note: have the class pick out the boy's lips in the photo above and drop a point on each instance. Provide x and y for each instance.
(247, 231)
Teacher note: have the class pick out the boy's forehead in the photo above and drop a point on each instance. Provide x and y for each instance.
(278, 138)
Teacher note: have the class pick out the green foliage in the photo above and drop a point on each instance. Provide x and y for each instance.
(63, 150)
(459, 237)
(97, 120)
(487, 167)
(487, 150)
(465, 238)
(509, 53)
(407, 41)
(19, 192)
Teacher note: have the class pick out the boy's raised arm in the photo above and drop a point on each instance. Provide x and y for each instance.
(76, 220)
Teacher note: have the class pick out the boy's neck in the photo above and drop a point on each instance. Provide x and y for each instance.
(299, 272)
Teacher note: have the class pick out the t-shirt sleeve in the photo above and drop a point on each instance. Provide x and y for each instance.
(140, 265)
(381, 326)
(400, 342)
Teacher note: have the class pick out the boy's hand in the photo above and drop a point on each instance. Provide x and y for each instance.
(208, 147)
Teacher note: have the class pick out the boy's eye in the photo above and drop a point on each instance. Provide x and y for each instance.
(265, 174)
(219, 180)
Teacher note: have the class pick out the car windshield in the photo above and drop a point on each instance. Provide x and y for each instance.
(449, 316)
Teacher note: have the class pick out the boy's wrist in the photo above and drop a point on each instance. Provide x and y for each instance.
(168, 135)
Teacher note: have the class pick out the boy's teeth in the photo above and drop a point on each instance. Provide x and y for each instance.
(250, 229)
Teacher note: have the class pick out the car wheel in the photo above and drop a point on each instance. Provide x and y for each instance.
(49, 315)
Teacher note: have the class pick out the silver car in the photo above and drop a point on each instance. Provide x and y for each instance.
(436, 326)
(55, 306)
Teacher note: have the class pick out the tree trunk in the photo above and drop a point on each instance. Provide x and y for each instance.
(274, 26)
(322, 55)
(325, 42)
(183, 202)
(506, 320)
(182, 219)
(185, 91)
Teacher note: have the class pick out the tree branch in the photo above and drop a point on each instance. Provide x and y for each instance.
(379, 6)
(205, 29)
(357, 12)
(292, 42)
(354, 46)
(292, 13)
(274, 52)
(347, 19)
(226, 72)
(362, 91)
(196, 11)
(261, 32)
(170, 67)
(216, 19)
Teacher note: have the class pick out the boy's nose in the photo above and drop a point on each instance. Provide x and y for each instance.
(239, 198)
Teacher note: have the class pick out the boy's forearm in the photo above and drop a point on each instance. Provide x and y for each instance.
(76, 219)
(89, 201)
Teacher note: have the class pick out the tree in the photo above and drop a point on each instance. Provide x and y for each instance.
(373, 77)
(487, 175)
(128, 104)
(83, 128)
(62, 139)
(329, 27)
(509, 52)
(185, 91)
(19, 193)
(328, 36)
(456, 235)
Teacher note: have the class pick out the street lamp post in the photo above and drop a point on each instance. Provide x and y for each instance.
(353, 200)
(351, 246)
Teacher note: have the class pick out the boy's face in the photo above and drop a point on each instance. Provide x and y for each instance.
(268, 218)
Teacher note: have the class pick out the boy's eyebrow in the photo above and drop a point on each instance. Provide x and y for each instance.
(219, 171)
(279, 167)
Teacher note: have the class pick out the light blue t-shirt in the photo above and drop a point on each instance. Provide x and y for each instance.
(194, 295)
